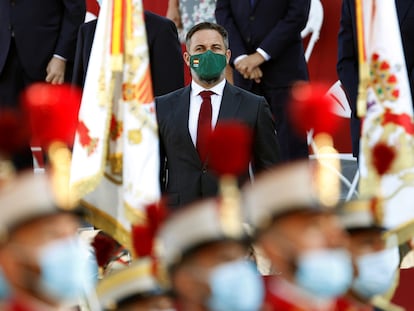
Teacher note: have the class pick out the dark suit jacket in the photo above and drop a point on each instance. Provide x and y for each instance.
(41, 28)
(275, 27)
(167, 68)
(347, 66)
(188, 178)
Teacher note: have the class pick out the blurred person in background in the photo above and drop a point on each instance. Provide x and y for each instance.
(37, 44)
(376, 264)
(187, 13)
(45, 264)
(208, 262)
(166, 62)
(268, 57)
(300, 237)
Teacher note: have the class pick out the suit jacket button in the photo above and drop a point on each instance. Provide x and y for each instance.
(252, 18)
(204, 170)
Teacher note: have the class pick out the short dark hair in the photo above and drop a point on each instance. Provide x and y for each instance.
(209, 26)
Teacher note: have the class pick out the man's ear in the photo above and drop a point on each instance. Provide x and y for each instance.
(186, 57)
(228, 55)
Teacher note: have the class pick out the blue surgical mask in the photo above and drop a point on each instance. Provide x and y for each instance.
(236, 286)
(4, 286)
(67, 272)
(376, 272)
(325, 273)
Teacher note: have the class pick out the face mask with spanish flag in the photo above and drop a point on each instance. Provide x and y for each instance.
(208, 66)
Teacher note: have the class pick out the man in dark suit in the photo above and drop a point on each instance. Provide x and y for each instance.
(189, 177)
(347, 66)
(167, 68)
(37, 43)
(268, 56)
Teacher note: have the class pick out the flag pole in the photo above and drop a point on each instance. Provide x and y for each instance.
(362, 61)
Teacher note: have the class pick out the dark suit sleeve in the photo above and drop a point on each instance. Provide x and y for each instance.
(287, 29)
(225, 18)
(347, 66)
(167, 66)
(265, 145)
(73, 17)
(78, 67)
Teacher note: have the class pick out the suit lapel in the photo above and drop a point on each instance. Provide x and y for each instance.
(182, 115)
(402, 9)
(229, 103)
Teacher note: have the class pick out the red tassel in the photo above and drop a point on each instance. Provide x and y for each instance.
(142, 240)
(230, 148)
(310, 108)
(156, 214)
(383, 157)
(52, 111)
(143, 234)
(105, 248)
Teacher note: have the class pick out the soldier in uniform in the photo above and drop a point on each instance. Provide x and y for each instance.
(375, 264)
(206, 255)
(294, 228)
(45, 264)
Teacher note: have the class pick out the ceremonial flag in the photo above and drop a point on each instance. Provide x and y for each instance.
(115, 164)
(386, 160)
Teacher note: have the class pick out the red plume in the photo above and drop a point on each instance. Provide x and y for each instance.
(143, 234)
(156, 214)
(230, 148)
(105, 247)
(310, 108)
(142, 240)
(382, 157)
(14, 132)
(52, 111)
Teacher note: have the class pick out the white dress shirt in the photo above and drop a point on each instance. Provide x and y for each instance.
(195, 105)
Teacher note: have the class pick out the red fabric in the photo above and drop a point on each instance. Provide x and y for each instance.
(92, 6)
(204, 124)
(343, 304)
(275, 302)
(156, 6)
(404, 293)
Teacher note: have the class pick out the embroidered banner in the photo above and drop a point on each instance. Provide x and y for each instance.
(115, 164)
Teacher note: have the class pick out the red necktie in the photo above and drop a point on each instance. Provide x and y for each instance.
(204, 125)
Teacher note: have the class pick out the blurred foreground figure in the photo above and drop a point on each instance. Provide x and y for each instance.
(205, 252)
(134, 288)
(45, 265)
(376, 265)
(295, 232)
